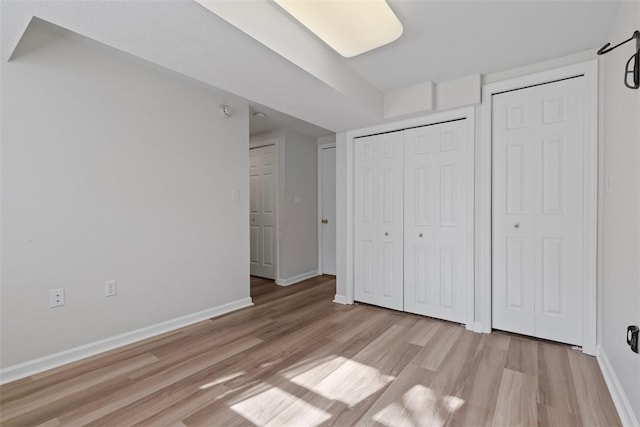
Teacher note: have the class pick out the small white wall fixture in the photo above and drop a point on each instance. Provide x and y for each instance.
(467, 113)
(589, 71)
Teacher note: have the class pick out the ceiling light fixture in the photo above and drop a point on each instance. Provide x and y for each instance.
(349, 27)
(259, 115)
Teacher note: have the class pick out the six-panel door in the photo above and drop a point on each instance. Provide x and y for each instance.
(263, 205)
(538, 210)
(436, 204)
(378, 220)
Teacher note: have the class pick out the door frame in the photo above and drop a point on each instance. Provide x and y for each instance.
(461, 113)
(589, 71)
(264, 141)
(320, 148)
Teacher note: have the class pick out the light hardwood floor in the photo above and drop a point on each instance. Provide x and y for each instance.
(298, 359)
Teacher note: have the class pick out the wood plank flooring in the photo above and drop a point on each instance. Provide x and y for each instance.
(298, 359)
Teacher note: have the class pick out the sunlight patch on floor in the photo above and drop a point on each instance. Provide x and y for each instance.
(306, 365)
(420, 406)
(350, 382)
(264, 407)
(222, 380)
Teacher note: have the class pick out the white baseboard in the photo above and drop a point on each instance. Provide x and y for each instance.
(296, 279)
(340, 299)
(479, 328)
(474, 327)
(55, 360)
(620, 400)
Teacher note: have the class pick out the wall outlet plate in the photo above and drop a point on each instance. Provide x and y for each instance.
(110, 288)
(56, 297)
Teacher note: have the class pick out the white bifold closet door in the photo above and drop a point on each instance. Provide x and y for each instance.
(412, 228)
(378, 220)
(437, 263)
(538, 210)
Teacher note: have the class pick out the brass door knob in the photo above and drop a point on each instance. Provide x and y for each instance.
(325, 221)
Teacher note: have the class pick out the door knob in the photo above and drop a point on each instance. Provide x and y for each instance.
(420, 235)
(386, 233)
(516, 225)
(325, 221)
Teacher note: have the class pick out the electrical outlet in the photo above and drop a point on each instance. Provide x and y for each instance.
(110, 288)
(56, 297)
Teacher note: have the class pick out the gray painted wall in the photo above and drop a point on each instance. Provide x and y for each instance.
(113, 169)
(299, 234)
(620, 244)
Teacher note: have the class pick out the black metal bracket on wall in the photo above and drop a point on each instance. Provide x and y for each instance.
(632, 337)
(632, 67)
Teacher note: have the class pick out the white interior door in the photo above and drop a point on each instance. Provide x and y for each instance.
(328, 206)
(538, 210)
(263, 205)
(436, 203)
(378, 214)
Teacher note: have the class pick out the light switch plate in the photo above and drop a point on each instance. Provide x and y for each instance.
(110, 288)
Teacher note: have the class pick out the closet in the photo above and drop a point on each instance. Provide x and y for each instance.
(539, 183)
(413, 212)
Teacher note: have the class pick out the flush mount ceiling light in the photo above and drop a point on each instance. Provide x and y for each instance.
(259, 115)
(350, 27)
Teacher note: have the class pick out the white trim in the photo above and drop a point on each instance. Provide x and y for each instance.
(477, 327)
(340, 299)
(470, 218)
(296, 279)
(320, 201)
(55, 360)
(280, 199)
(483, 249)
(466, 113)
(619, 397)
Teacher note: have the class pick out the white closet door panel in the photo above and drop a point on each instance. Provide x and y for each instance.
(436, 202)
(379, 220)
(513, 214)
(538, 246)
(560, 217)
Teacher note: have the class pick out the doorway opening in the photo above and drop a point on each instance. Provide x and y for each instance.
(287, 220)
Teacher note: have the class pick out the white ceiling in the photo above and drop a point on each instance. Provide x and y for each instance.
(275, 120)
(283, 67)
(443, 40)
